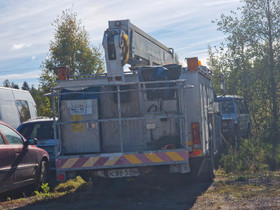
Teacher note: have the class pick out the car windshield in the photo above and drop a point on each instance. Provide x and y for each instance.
(227, 106)
(39, 130)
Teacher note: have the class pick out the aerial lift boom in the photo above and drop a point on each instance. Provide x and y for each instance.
(124, 43)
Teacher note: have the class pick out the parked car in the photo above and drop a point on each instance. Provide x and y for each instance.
(41, 128)
(21, 162)
(236, 121)
(16, 106)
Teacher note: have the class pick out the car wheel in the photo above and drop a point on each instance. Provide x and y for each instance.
(42, 177)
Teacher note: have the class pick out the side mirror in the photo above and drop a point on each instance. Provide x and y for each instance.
(31, 142)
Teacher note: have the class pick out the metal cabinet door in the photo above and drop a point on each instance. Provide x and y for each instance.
(80, 136)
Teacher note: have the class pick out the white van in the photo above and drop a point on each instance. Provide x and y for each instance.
(16, 106)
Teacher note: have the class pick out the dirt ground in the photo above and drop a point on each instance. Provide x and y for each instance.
(226, 192)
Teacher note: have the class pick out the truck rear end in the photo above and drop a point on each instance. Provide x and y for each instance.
(121, 130)
(123, 124)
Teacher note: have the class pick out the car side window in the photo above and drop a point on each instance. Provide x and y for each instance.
(23, 110)
(1, 140)
(237, 105)
(29, 130)
(242, 107)
(227, 107)
(11, 136)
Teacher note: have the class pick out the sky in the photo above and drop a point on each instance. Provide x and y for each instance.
(26, 28)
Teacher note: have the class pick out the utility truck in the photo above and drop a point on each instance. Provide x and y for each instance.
(151, 116)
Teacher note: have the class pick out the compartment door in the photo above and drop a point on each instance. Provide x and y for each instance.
(80, 137)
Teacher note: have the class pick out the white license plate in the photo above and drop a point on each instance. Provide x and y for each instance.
(123, 172)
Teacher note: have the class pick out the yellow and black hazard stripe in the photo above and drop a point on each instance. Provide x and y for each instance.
(122, 160)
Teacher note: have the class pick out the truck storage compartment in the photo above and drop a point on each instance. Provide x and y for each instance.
(130, 136)
(117, 118)
(79, 127)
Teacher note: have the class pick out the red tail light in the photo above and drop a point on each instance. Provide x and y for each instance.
(61, 177)
(196, 135)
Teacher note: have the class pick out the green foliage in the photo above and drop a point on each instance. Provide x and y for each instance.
(45, 107)
(7, 83)
(70, 185)
(249, 59)
(71, 47)
(61, 190)
(14, 85)
(249, 157)
(45, 189)
(217, 71)
(25, 86)
(43, 103)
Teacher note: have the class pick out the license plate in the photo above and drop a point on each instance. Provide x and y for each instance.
(123, 172)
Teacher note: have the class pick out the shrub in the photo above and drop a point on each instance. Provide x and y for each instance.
(250, 157)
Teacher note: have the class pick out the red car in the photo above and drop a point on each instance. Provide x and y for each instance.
(21, 162)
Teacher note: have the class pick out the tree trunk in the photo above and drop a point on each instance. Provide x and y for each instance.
(273, 88)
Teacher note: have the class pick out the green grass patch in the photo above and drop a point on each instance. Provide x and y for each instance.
(69, 187)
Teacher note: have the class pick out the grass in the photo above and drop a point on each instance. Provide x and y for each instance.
(239, 190)
(59, 191)
(244, 189)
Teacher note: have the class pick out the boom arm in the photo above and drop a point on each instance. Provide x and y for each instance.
(124, 43)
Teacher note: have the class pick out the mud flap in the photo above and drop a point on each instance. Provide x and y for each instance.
(206, 168)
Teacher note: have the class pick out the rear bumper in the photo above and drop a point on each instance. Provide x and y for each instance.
(121, 160)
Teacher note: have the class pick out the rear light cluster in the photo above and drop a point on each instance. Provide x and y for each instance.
(61, 176)
(195, 144)
(196, 136)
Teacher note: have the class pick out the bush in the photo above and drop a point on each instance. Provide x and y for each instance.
(250, 157)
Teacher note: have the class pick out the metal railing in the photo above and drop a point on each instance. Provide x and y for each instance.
(119, 127)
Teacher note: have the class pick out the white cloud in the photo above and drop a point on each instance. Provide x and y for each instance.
(24, 76)
(219, 3)
(184, 25)
(20, 46)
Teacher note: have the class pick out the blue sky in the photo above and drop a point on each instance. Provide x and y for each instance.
(26, 28)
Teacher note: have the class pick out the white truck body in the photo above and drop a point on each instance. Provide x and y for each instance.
(119, 130)
(129, 124)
